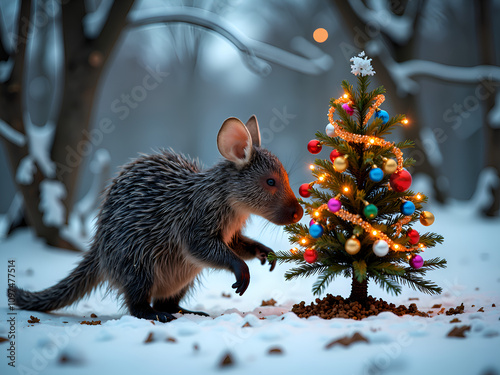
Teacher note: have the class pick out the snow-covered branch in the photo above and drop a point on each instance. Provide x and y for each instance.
(378, 13)
(494, 113)
(11, 134)
(254, 52)
(403, 72)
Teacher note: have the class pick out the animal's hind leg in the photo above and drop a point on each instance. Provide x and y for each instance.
(171, 304)
(138, 301)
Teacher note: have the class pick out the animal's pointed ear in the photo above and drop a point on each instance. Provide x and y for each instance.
(253, 128)
(234, 141)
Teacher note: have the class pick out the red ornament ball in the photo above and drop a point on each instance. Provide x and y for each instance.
(414, 236)
(400, 181)
(314, 146)
(310, 255)
(304, 190)
(334, 155)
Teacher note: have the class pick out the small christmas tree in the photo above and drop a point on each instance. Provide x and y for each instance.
(361, 207)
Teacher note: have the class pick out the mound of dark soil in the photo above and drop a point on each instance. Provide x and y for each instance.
(337, 307)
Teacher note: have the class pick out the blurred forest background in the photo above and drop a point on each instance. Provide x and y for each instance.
(87, 85)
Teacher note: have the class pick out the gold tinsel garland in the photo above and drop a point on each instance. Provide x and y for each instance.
(365, 139)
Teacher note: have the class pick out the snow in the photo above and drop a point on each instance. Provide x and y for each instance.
(397, 345)
(51, 194)
(40, 139)
(380, 16)
(26, 170)
(494, 115)
(361, 64)
(82, 219)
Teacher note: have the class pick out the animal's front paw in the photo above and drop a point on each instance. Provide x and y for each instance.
(262, 253)
(240, 270)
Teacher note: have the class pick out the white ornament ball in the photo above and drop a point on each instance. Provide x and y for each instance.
(330, 131)
(380, 248)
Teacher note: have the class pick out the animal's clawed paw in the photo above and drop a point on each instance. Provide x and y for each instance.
(262, 253)
(242, 277)
(159, 316)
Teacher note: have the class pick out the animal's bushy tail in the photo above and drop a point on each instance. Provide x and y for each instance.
(82, 280)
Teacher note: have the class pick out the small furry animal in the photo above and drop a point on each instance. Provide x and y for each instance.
(164, 220)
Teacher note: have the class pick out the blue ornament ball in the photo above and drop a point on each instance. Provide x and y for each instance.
(383, 115)
(407, 208)
(316, 230)
(376, 174)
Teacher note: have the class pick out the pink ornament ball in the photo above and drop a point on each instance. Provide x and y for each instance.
(334, 205)
(349, 110)
(416, 261)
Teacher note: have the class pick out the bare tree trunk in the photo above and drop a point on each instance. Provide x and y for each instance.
(484, 11)
(359, 291)
(84, 62)
(11, 111)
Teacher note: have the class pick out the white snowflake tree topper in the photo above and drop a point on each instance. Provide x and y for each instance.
(361, 64)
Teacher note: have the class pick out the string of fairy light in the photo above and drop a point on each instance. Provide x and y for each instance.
(400, 181)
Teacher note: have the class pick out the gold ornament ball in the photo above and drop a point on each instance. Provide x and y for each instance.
(352, 246)
(390, 166)
(426, 218)
(340, 164)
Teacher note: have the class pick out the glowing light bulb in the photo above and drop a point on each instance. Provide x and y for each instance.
(421, 245)
(346, 189)
(322, 178)
(396, 247)
(405, 121)
(303, 241)
(311, 167)
(372, 140)
(346, 96)
(418, 196)
(374, 232)
(294, 250)
(316, 213)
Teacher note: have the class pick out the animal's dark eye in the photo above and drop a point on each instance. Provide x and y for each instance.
(271, 182)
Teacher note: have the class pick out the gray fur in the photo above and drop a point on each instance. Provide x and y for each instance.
(164, 219)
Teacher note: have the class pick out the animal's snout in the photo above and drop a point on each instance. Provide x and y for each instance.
(297, 213)
(290, 213)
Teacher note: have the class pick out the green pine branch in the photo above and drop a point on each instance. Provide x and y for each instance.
(327, 276)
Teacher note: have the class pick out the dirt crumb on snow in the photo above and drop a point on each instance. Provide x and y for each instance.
(458, 331)
(33, 319)
(227, 360)
(347, 341)
(456, 310)
(270, 302)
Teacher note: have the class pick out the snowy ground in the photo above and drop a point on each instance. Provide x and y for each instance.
(397, 345)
